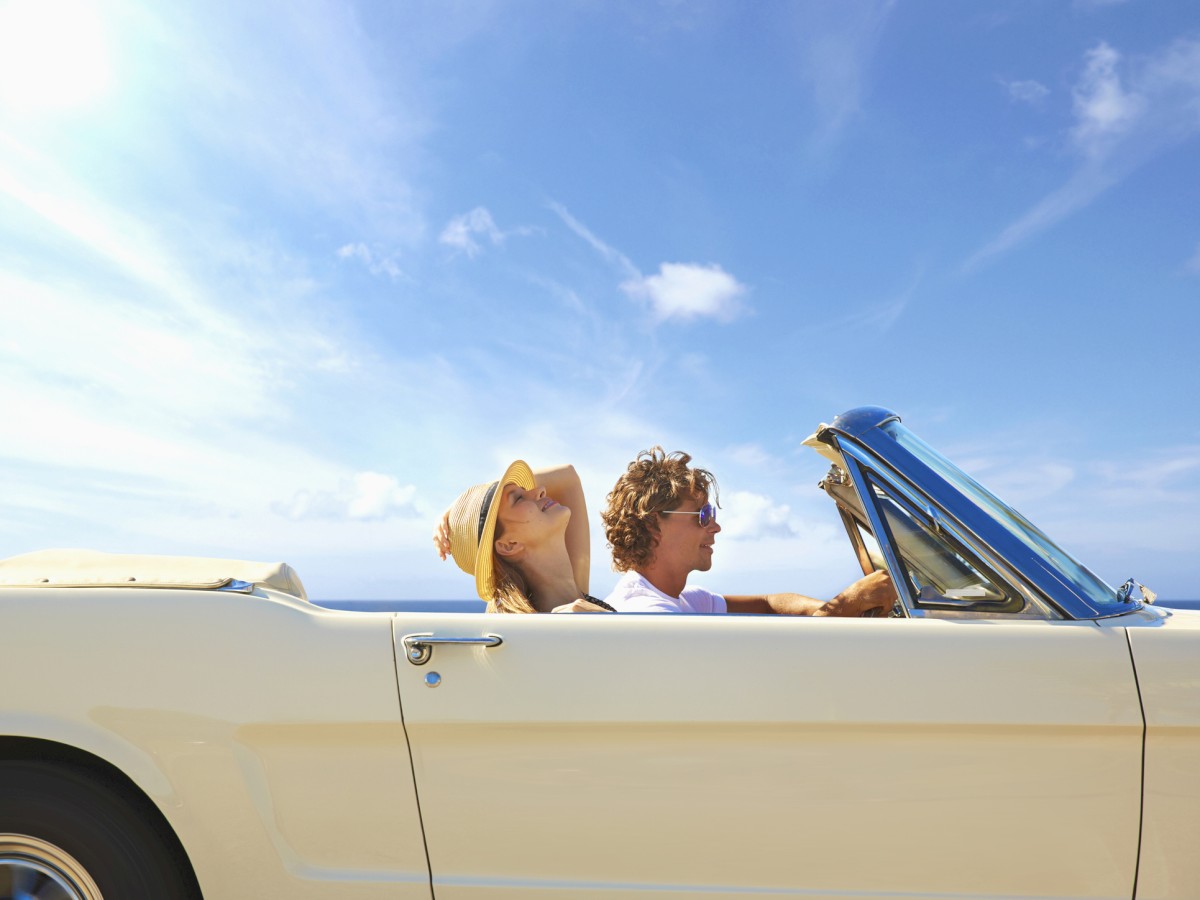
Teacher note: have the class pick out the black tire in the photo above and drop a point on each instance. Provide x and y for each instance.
(97, 828)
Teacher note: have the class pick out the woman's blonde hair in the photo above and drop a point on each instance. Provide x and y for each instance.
(512, 594)
(653, 482)
(512, 591)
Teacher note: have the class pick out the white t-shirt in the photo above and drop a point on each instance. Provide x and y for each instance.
(634, 593)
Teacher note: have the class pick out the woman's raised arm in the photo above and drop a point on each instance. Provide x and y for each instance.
(562, 483)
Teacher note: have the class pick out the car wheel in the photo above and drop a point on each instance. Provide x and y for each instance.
(68, 834)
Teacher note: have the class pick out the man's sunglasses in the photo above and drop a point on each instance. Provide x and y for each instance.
(707, 513)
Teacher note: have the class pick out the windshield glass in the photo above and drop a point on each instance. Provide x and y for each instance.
(1058, 559)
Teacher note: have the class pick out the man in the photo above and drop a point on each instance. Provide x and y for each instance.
(662, 527)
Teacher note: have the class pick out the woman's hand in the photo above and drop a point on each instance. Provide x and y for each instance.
(441, 536)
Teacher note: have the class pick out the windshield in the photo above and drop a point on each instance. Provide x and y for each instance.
(1067, 567)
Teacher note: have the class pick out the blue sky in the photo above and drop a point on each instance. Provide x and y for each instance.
(277, 280)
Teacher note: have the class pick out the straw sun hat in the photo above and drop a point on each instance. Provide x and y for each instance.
(473, 525)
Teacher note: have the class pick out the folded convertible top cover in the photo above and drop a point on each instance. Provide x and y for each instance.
(91, 568)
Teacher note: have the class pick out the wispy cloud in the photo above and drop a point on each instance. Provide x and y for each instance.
(749, 516)
(1113, 513)
(813, 558)
(882, 315)
(619, 260)
(1124, 114)
(678, 291)
(462, 230)
(878, 315)
(1104, 109)
(89, 224)
(363, 497)
(689, 291)
(1033, 480)
(153, 374)
(1025, 91)
(752, 456)
(377, 263)
(835, 45)
(326, 136)
(1048, 482)
(1081, 189)
(1173, 476)
(1193, 264)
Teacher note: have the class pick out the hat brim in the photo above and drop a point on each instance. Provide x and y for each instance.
(521, 475)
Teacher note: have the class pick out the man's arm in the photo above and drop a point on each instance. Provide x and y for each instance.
(779, 604)
(875, 591)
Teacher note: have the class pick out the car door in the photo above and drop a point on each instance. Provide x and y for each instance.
(627, 755)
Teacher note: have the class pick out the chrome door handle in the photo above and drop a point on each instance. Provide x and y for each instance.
(418, 648)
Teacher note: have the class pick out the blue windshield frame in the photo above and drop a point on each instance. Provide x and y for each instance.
(1042, 563)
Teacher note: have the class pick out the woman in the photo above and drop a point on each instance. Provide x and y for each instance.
(525, 539)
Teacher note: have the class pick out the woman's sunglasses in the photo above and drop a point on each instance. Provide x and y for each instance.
(707, 513)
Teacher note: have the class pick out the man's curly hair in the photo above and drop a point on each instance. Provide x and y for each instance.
(654, 482)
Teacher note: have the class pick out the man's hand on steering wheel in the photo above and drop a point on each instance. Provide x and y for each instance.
(873, 594)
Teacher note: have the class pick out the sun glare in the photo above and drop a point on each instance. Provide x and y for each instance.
(54, 55)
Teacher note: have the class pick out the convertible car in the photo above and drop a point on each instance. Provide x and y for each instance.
(183, 728)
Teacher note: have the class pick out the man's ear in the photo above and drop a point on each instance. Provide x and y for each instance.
(511, 550)
(655, 540)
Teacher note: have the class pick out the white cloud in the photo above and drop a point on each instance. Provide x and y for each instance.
(748, 516)
(752, 456)
(1124, 114)
(160, 382)
(1166, 477)
(689, 291)
(1178, 66)
(1020, 484)
(376, 263)
(678, 291)
(363, 497)
(460, 231)
(129, 357)
(1104, 110)
(1027, 91)
(816, 560)
(82, 221)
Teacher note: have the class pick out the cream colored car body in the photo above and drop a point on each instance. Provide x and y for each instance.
(266, 729)
(625, 756)
(298, 751)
